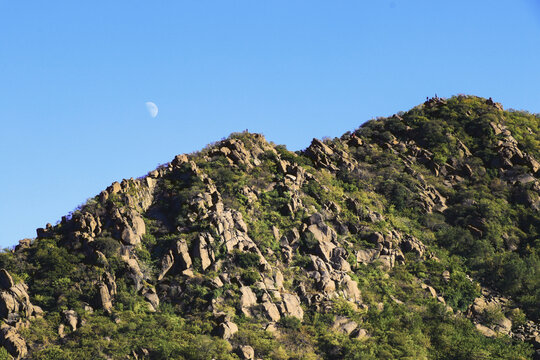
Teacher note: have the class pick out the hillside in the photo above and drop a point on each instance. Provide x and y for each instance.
(413, 237)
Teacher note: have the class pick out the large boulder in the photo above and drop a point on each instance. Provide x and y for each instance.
(184, 260)
(271, 310)
(167, 263)
(105, 297)
(152, 298)
(12, 342)
(344, 325)
(226, 330)
(204, 251)
(247, 299)
(291, 306)
(6, 281)
(350, 288)
(70, 317)
(246, 352)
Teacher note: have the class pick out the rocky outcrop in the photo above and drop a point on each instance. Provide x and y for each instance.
(15, 310)
(12, 342)
(489, 314)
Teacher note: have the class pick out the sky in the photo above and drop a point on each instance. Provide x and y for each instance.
(75, 78)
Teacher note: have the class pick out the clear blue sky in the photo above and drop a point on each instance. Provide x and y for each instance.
(75, 76)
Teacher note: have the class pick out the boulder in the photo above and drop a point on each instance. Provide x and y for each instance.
(135, 272)
(167, 262)
(23, 244)
(344, 325)
(226, 330)
(247, 299)
(204, 251)
(8, 304)
(6, 281)
(70, 317)
(291, 306)
(360, 334)
(350, 288)
(105, 298)
(366, 256)
(503, 325)
(326, 284)
(152, 298)
(246, 352)
(430, 290)
(271, 310)
(12, 342)
(484, 330)
(184, 260)
(446, 275)
(479, 306)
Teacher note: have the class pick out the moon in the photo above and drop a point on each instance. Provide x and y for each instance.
(152, 108)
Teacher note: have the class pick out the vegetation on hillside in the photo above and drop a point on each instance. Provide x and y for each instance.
(429, 213)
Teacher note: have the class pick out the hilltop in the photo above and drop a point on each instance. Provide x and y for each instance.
(414, 237)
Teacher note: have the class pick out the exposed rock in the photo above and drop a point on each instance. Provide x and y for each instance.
(271, 310)
(8, 304)
(167, 262)
(152, 298)
(61, 331)
(105, 297)
(134, 228)
(226, 330)
(430, 290)
(326, 284)
(70, 317)
(182, 250)
(13, 342)
(291, 306)
(23, 244)
(366, 256)
(350, 288)
(344, 325)
(204, 251)
(411, 244)
(6, 281)
(360, 334)
(484, 330)
(446, 275)
(503, 325)
(247, 299)
(246, 352)
(479, 306)
(135, 272)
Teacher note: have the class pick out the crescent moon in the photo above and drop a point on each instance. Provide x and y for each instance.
(152, 108)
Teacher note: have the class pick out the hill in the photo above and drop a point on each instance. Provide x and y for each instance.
(413, 237)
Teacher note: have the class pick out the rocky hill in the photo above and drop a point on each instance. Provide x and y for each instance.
(413, 237)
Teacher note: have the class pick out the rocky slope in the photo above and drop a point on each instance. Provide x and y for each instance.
(415, 236)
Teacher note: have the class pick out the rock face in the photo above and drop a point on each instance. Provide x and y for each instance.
(15, 310)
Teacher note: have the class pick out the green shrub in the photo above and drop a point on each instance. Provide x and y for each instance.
(246, 259)
(290, 322)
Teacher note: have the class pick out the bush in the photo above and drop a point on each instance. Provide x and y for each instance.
(290, 322)
(107, 245)
(246, 259)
